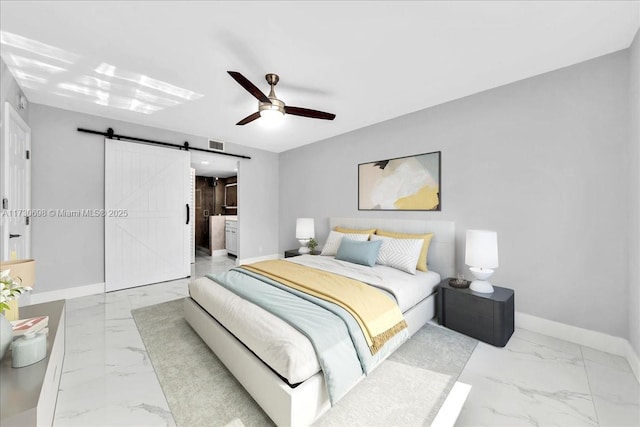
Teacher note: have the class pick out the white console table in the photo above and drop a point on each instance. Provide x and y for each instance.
(28, 395)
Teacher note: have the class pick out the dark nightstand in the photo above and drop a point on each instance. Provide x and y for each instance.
(294, 252)
(487, 317)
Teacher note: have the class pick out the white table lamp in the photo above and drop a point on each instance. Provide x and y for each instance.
(305, 231)
(481, 255)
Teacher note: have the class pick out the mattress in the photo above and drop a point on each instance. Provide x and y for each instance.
(283, 348)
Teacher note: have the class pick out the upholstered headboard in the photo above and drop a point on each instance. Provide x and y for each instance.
(441, 257)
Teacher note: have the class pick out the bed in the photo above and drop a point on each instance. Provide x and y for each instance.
(292, 390)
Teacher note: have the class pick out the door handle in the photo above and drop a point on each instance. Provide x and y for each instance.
(11, 236)
(188, 215)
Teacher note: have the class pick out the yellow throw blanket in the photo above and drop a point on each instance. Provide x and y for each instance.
(378, 316)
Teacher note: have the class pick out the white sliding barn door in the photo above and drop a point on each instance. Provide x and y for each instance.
(192, 219)
(147, 235)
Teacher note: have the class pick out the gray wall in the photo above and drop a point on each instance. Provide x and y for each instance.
(541, 161)
(9, 91)
(68, 173)
(634, 194)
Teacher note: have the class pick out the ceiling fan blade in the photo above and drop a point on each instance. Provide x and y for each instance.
(306, 112)
(250, 87)
(249, 119)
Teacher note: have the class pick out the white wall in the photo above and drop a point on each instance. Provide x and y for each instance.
(634, 195)
(542, 161)
(9, 92)
(68, 173)
(258, 209)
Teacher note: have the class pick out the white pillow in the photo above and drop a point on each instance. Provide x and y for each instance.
(335, 238)
(401, 254)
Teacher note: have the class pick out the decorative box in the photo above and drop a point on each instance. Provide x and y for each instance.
(29, 349)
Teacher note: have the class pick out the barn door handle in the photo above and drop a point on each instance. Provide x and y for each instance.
(11, 236)
(188, 215)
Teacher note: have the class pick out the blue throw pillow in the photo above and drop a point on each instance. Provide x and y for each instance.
(364, 253)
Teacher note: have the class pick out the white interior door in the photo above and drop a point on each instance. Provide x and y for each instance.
(16, 186)
(147, 230)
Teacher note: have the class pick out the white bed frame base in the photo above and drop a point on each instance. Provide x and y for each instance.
(302, 405)
(286, 406)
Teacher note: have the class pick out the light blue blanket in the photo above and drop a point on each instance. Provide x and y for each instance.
(339, 343)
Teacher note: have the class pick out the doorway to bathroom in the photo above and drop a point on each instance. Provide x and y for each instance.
(215, 205)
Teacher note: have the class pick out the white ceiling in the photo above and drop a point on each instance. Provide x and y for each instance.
(164, 63)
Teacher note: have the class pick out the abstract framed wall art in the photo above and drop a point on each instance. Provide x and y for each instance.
(410, 183)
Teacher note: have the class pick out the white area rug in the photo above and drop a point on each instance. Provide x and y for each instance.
(405, 390)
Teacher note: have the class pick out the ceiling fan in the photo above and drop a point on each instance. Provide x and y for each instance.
(271, 105)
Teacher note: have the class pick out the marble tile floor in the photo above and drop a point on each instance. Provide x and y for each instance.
(108, 380)
(543, 381)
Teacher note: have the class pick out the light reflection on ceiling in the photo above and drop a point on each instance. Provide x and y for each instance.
(36, 65)
(22, 62)
(25, 77)
(105, 98)
(160, 100)
(111, 71)
(38, 48)
(95, 82)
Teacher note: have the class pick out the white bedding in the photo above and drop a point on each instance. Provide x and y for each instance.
(275, 342)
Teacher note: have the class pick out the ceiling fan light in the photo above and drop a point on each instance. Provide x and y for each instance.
(270, 107)
(271, 113)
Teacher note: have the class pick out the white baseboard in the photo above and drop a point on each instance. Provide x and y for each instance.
(257, 259)
(67, 293)
(594, 339)
(634, 361)
(219, 252)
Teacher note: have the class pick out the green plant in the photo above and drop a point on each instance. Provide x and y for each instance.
(10, 289)
(313, 244)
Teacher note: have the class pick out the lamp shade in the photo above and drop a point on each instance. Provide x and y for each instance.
(305, 228)
(25, 269)
(481, 249)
